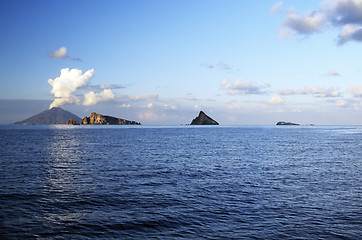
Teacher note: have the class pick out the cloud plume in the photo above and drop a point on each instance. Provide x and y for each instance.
(65, 86)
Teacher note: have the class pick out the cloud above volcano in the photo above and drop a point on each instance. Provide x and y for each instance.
(65, 87)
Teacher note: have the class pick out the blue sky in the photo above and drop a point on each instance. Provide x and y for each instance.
(161, 62)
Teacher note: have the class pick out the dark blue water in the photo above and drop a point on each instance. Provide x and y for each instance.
(277, 182)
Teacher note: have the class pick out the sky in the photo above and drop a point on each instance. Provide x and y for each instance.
(160, 62)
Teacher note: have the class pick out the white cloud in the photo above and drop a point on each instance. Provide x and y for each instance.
(148, 105)
(65, 100)
(355, 90)
(150, 96)
(241, 87)
(276, 99)
(169, 107)
(59, 53)
(64, 86)
(332, 13)
(65, 89)
(350, 33)
(320, 92)
(275, 111)
(304, 25)
(234, 106)
(125, 105)
(151, 116)
(341, 12)
(92, 98)
(341, 103)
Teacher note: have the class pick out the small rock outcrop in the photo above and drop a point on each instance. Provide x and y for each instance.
(72, 122)
(203, 119)
(286, 123)
(98, 119)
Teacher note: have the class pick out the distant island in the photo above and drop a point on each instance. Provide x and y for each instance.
(203, 119)
(57, 115)
(286, 123)
(98, 119)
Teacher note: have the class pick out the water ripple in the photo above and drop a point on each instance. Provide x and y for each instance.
(180, 182)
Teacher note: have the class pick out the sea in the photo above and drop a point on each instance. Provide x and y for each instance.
(180, 182)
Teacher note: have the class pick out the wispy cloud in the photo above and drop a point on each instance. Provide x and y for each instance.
(319, 92)
(150, 105)
(241, 87)
(169, 107)
(221, 65)
(355, 90)
(97, 88)
(332, 74)
(276, 8)
(148, 96)
(211, 66)
(341, 103)
(124, 105)
(276, 99)
(151, 116)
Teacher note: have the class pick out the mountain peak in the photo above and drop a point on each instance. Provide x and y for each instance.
(55, 115)
(203, 119)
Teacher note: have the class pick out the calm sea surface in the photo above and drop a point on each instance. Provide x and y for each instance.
(275, 182)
